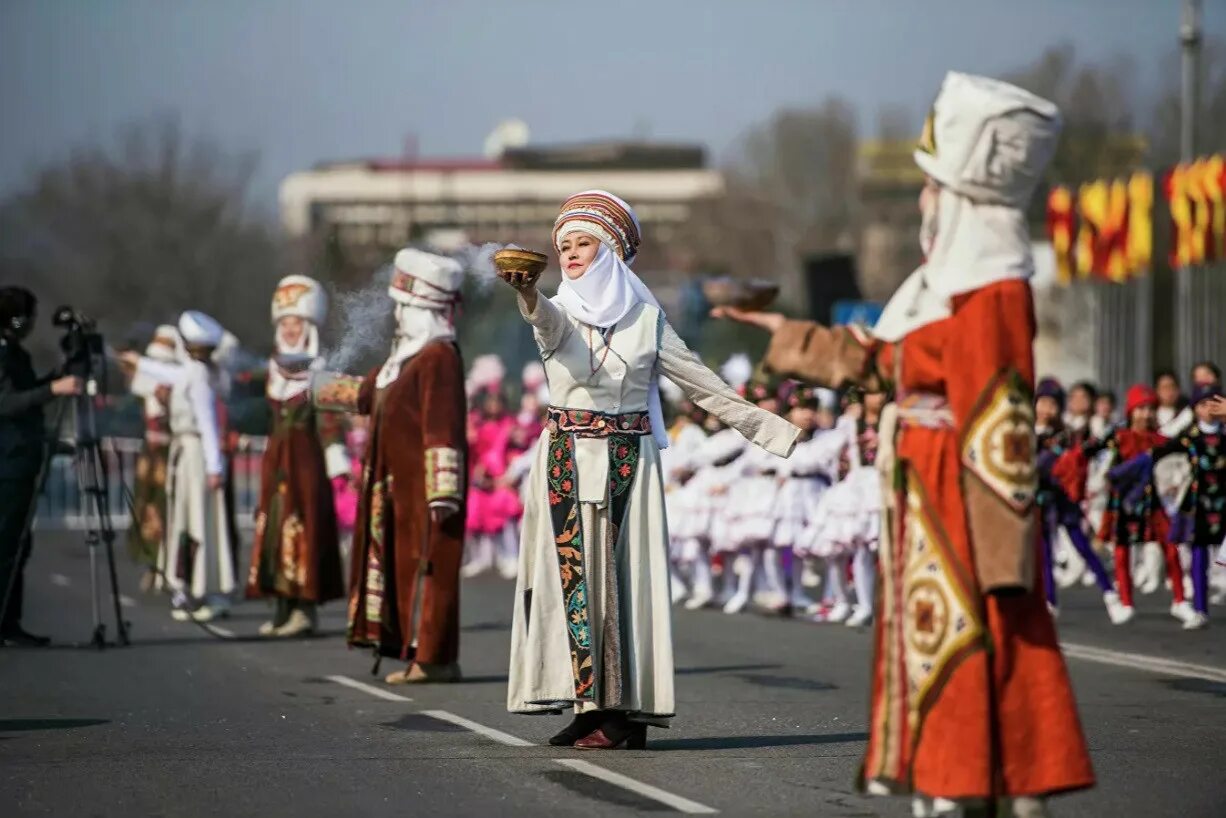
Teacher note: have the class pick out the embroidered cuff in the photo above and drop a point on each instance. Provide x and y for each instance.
(336, 391)
(443, 467)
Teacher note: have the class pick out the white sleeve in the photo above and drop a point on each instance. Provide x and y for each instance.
(151, 374)
(705, 388)
(336, 460)
(202, 399)
(549, 325)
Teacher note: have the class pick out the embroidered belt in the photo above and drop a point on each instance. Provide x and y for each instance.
(925, 409)
(586, 423)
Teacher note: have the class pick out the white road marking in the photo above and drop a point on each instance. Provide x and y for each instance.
(219, 630)
(1139, 661)
(677, 802)
(126, 601)
(60, 581)
(481, 729)
(377, 692)
(646, 790)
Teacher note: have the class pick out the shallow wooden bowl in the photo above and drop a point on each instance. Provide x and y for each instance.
(744, 294)
(515, 260)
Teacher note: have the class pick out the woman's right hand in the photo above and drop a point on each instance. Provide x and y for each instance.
(524, 284)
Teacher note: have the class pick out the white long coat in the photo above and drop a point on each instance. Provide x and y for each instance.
(627, 579)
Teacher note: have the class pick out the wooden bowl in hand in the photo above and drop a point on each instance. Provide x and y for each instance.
(751, 295)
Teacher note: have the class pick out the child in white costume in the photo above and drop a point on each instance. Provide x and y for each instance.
(751, 517)
(807, 475)
(847, 525)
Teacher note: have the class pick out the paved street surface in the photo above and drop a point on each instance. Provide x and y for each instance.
(771, 719)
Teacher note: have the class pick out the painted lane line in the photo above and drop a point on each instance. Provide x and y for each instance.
(126, 601)
(1139, 661)
(617, 779)
(677, 802)
(480, 729)
(60, 581)
(377, 692)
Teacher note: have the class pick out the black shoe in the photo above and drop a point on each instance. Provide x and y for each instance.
(18, 638)
(580, 726)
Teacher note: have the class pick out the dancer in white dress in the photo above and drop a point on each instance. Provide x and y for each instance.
(592, 627)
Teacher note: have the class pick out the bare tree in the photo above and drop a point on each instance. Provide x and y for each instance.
(1098, 105)
(1211, 127)
(143, 229)
(793, 182)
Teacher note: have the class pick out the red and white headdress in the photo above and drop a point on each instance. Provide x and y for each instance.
(427, 281)
(603, 215)
(300, 297)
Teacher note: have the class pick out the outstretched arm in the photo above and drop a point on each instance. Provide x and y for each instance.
(807, 351)
(679, 363)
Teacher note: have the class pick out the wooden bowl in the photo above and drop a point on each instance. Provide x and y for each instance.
(750, 295)
(515, 260)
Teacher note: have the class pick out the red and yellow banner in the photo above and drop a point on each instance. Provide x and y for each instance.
(1104, 229)
(1195, 192)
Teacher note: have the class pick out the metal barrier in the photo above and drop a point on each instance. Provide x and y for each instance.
(63, 506)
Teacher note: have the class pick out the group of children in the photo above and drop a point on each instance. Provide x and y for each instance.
(748, 528)
(1123, 504)
(1151, 489)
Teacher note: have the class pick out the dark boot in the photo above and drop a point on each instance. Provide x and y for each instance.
(615, 733)
(580, 726)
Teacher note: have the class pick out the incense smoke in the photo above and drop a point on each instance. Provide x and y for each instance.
(365, 321)
(364, 315)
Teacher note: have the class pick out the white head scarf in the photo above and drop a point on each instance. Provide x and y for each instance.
(289, 382)
(603, 296)
(415, 327)
(968, 245)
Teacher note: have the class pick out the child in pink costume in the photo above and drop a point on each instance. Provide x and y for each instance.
(493, 508)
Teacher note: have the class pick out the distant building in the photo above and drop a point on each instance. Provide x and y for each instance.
(364, 210)
(888, 248)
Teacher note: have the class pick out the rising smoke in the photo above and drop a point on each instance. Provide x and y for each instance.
(364, 315)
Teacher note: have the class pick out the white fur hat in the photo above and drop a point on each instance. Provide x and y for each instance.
(164, 344)
(199, 329)
(424, 280)
(988, 140)
(302, 297)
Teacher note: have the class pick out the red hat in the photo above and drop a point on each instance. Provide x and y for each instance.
(1139, 395)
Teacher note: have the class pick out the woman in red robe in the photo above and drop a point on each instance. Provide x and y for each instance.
(295, 557)
(971, 702)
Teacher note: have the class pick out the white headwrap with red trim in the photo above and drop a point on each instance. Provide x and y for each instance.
(426, 289)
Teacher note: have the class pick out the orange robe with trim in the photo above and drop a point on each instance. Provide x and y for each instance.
(970, 694)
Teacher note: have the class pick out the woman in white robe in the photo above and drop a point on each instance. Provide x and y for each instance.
(198, 561)
(592, 628)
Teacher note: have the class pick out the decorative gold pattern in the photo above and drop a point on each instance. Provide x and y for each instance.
(286, 296)
(443, 468)
(339, 394)
(940, 621)
(999, 443)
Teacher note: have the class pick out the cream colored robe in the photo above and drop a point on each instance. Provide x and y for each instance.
(635, 570)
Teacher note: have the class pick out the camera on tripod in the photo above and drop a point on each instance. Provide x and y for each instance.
(82, 345)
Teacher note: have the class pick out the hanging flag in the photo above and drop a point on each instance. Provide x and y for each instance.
(1060, 230)
(1140, 244)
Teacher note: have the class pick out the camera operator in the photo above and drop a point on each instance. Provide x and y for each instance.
(22, 442)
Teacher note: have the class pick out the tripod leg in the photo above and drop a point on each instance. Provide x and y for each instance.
(98, 638)
(121, 627)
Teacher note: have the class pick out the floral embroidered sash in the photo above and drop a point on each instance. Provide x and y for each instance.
(622, 432)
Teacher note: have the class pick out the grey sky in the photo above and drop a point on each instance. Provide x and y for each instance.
(306, 80)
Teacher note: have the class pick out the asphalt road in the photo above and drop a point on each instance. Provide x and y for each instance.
(771, 719)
